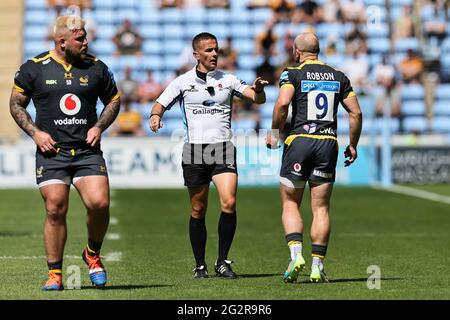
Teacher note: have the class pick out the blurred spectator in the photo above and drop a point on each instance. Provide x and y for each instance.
(216, 4)
(332, 11)
(404, 25)
(257, 4)
(128, 87)
(266, 70)
(282, 9)
(435, 25)
(227, 56)
(288, 43)
(186, 59)
(386, 88)
(357, 69)
(149, 89)
(331, 46)
(310, 12)
(353, 11)
(243, 109)
(128, 40)
(356, 41)
(128, 122)
(171, 3)
(82, 4)
(266, 41)
(411, 67)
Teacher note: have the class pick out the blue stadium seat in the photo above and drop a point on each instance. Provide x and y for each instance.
(379, 30)
(171, 62)
(266, 123)
(103, 17)
(103, 47)
(31, 109)
(195, 16)
(342, 126)
(415, 124)
(33, 48)
(105, 32)
(367, 104)
(244, 124)
(403, 44)
(261, 15)
(271, 93)
(153, 47)
(240, 16)
(171, 16)
(266, 110)
(36, 32)
(150, 16)
(173, 31)
(134, 62)
(39, 17)
(220, 30)
(248, 61)
(173, 46)
(36, 4)
(378, 45)
(100, 5)
(129, 4)
(174, 113)
(153, 62)
(440, 124)
(378, 125)
(412, 92)
(443, 92)
(192, 30)
(242, 30)
(218, 15)
(150, 31)
(112, 63)
(244, 46)
(246, 75)
(442, 108)
(413, 108)
(129, 14)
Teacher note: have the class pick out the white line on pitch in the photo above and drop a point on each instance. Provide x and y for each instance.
(113, 236)
(113, 220)
(418, 193)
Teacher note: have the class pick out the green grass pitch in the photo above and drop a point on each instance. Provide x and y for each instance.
(406, 237)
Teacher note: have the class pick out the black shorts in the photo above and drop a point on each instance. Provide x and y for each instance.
(203, 161)
(310, 159)
(69, 164)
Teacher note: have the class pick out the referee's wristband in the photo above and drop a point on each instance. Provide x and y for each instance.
(155, 114)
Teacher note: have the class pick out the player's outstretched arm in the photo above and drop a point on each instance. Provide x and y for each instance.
(256, 92)
(155, 117)
(109, 114)
(355, 123)
(17, 107)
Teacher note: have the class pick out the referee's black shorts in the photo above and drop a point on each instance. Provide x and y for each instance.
(201, 162)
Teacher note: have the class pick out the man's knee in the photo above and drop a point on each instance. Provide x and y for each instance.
(56, 210)
(198, 210)
(228, 204)
(101, 204)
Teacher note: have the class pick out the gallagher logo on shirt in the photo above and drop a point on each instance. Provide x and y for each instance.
(70, 104)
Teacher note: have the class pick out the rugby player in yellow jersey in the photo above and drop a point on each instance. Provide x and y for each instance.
(64, 85)
(310, 153)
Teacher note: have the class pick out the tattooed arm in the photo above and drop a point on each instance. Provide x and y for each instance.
(17, 106)
(107, 117)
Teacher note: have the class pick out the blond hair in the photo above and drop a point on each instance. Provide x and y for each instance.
(67, 23)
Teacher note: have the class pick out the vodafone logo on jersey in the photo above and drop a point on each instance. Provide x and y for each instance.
(70, 104)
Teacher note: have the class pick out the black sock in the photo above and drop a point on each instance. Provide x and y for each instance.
(57, 266)
(319, 250)
(198, 234)
(227, 228)
(94, 247)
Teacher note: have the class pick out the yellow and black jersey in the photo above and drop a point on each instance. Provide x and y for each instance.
(65, 95)
(319, 88)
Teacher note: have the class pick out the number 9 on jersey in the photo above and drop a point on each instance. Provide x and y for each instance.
(320, 105)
